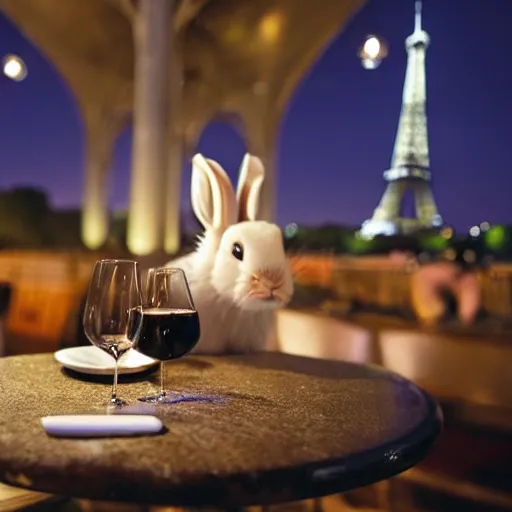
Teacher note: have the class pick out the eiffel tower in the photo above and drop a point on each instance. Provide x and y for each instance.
(410, 164)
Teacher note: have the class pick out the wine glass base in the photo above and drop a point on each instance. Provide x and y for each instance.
(116, 402)
(154, 399)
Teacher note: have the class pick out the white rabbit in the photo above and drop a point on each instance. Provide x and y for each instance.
(239, 274)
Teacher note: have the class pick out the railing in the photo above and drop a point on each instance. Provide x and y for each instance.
(48, 286)
(384, 284)
(46, 289)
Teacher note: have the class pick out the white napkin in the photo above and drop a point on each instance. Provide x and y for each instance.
(101, 425)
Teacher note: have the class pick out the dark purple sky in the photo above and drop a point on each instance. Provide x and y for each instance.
(338, 135)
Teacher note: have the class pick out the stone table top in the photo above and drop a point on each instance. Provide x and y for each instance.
(284, 428)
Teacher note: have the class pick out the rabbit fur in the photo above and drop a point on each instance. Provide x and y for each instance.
(239, 274)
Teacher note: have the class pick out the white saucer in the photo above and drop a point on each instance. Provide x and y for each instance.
(94, 361)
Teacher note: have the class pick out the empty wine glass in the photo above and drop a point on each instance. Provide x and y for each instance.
(170, 323)
(112, 317)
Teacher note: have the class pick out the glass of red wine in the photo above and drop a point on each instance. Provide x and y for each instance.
(170, 323)
(112, 319)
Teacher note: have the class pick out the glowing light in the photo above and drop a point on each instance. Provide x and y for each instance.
(437, 221)
(446, 232)
(14, 68)
(270, 27)
(485, 226)
(496, 237)
(365, 235)
(370, 64)
(359, 244)
(474, 231)
(373, 51)
(434, 242)
(94, 228)
(469, 256)
(372, 228)
(291, 230)
(141, 245)
(450, 254)
(372, 47)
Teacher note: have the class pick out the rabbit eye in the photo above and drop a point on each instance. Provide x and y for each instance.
(238, 251)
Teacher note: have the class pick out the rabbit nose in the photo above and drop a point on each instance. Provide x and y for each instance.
(270, 278)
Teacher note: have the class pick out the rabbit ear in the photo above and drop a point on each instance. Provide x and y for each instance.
(212, 195)
(252, 174)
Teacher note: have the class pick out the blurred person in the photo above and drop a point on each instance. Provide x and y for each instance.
(449, 286)
(442, 290)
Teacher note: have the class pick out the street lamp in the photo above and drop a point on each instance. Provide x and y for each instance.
(14, 68)
(373, 51)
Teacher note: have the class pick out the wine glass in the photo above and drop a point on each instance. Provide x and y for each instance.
(170, 323)
(112, 317)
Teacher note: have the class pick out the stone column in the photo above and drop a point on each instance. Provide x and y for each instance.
(101, 132)
(152, 29)
(175, 154)
(173, 197)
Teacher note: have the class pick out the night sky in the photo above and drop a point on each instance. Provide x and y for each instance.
(337, 137)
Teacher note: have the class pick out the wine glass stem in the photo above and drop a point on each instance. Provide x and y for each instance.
(162, 378)
(113, 399)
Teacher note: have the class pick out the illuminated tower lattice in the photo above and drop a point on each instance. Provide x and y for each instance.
(410, 164)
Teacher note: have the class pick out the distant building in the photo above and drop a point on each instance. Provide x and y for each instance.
(410, 164)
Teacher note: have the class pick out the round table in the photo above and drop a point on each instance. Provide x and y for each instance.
(284, 428)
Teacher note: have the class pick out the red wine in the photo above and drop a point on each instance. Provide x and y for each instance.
(168, 333)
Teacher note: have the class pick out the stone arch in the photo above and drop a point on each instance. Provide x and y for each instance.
(222, 140)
